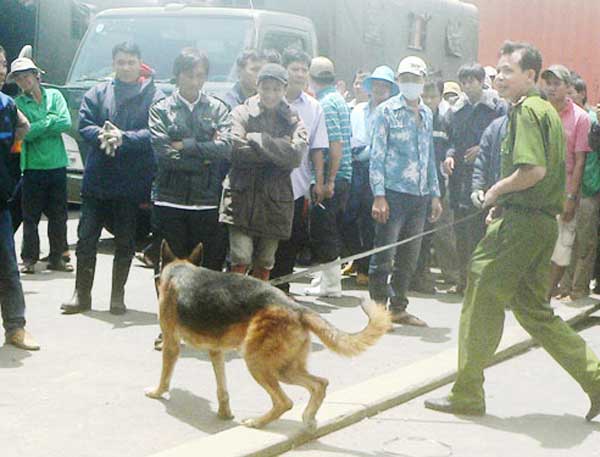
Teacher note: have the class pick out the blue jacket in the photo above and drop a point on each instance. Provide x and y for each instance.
(486, 169)
(8, 124)
(128, 175)
(466, 125)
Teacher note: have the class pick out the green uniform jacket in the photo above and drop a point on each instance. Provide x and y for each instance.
(43, 147)
(535, 136)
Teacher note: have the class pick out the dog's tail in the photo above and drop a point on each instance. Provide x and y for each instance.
(350, 344)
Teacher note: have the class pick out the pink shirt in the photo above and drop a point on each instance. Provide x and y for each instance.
(576, 123)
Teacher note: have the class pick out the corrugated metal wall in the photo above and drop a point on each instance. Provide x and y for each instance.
(565, 31)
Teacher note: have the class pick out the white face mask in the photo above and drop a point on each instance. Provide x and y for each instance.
(411, 91)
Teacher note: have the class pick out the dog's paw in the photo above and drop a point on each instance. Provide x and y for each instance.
(252, 423)
(310, 425)
(151, 392)
(225, 414)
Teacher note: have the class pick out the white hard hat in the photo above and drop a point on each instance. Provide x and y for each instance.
(413, 65)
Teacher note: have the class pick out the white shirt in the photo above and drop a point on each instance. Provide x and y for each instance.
(312, 115)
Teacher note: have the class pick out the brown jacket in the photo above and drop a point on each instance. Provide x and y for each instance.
(257, 192)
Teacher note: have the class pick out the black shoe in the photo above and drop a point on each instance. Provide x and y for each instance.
(594, 407)
(446, 405)
(60, 265)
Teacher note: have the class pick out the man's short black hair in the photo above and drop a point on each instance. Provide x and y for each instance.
(127, 47)
(580, 86)
(272, 56)
(436, 85)
(247, 55)
(187, 60)
(291, 55)
(531, 57)
(471, 71)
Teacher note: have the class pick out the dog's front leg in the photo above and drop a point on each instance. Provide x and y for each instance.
(170, 354)
(218, 363)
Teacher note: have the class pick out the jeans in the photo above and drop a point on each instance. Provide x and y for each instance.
(468, 235)
(407, 218)
(359, 226)
(44, 191)
(97, 214)
(12, 300)
(326, 223)
(184, 229)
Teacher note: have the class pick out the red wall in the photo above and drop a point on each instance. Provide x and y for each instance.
(565, 31)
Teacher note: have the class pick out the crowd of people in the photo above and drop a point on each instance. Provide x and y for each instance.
(286, 161)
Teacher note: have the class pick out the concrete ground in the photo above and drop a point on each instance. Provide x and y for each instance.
(534, 409)
(82, 394)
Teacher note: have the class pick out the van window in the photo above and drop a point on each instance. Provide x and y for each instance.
(283, 39)
(160, 40)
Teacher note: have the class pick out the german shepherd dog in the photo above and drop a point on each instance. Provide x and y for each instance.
(226, 311)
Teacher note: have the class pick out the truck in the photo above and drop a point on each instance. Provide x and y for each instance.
(353, 33)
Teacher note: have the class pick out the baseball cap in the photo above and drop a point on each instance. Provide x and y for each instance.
(273, 71)
(322, 67)
(451, 87)
(413, 65)
(559, 71)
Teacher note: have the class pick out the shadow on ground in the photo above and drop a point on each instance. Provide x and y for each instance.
(12, 357)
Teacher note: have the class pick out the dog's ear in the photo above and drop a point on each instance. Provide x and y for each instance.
(196, 255)
(166, 254)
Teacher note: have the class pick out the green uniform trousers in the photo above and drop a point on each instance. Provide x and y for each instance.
(511, 266)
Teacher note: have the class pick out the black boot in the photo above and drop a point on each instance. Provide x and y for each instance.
(120, 273)
(84, 279)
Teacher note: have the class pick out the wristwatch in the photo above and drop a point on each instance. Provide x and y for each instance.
(573, 197)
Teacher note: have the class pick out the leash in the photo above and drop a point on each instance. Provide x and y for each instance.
(324, 266)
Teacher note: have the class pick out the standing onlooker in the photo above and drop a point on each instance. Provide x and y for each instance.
(359, 227)
(191, 139)
(467, 120)
(404, 181)
(297, 64)
(556, 81)
(443, 241)
(248, 64)
(486, 168)
(510, 266)
(332, 175)
(13, 127)
(44, 164)
(269, 141)
(360, 95)
(120, 165)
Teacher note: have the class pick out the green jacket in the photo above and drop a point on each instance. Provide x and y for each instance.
(43, 147)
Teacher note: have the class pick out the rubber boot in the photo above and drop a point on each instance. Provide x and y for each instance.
(81, 300)
(330, 285)
(261, 273)
(120, 273)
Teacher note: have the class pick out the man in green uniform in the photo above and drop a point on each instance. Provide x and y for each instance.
(511, 264)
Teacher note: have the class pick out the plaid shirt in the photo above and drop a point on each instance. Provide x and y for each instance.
(337, 119)
(402, 152)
